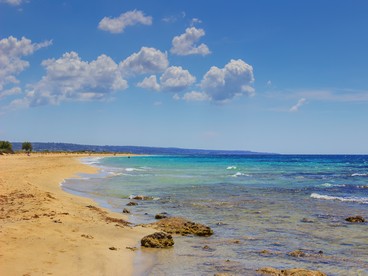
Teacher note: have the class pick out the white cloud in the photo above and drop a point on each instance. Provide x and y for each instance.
(184, 44)
(224, 84)
(195, 21)
(12, 51)
(71, 79)
(10, 92)
(149, 83)
(12, 2)
(195, 96)
(146, 61)
(299, 104)
(175, 78)
(118, 24)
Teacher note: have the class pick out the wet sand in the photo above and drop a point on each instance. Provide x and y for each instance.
(46, 231)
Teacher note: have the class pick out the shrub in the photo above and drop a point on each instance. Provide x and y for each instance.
(27, 146)
(6, 147)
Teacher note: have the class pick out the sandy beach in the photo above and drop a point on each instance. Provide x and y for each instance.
(46, 231)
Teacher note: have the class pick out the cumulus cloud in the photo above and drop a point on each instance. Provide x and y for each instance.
(146, 61)
(299, 104)
(224, 84)
(118, 24)
(185, 44)
(12, 2)
(12, 51)
(195, 96)
(175, 79)
(10, 92)
(71, 79)
(149, 83)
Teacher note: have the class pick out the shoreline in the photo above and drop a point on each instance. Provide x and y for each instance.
(46, 230)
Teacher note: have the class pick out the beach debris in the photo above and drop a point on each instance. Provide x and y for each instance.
(113, 248)
(161, 215)
(355, 219)
(132, 203)
(158, 240)
(289, 272)
(126, 211)
(87, 236)
(297, 253)
(182, 226)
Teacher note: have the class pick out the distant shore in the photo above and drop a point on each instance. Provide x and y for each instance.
(44, 230)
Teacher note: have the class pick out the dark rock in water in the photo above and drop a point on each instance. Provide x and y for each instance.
(181, 226)
(355, 219)
(161, 216)
(142, 197)
(306, 220)
(222, 274)
(132, 203)
(297, 253)
(157, 240)
(126, 211)
(289, 272)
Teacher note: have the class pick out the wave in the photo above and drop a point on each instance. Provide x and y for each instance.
(240, 174)
(231, 168)
(359, 174)
(134, 170)
(363, 200)
(329, 185)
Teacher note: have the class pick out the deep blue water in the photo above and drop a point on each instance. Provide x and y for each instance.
(278, 203)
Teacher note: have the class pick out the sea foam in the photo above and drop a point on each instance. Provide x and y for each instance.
(363, 200)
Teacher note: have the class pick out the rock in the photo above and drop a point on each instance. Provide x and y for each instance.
(142, 197)
(355, 219)
(161, 216)
(126, 211)
(132, 203)
(113, 248)
(222, 274)
(306, 220)
(157, 240)
(289, 272)
(297, 253)
(181, 226)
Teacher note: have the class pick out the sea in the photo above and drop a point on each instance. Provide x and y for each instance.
(260, 207)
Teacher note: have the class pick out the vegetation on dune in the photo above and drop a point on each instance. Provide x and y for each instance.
(6, 147)
(27, 146)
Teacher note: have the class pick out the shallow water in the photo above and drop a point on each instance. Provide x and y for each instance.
(276, 203)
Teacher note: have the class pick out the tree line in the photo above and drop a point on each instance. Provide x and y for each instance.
(7, 147)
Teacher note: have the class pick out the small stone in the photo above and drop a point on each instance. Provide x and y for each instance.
(158, 240)
(126, 211)
(306, 220)
(113, 248)
(132, 203)
(356, 219)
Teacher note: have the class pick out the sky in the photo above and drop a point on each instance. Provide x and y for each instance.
(268, 76)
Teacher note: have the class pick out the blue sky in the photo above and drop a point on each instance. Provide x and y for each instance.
(270, 76)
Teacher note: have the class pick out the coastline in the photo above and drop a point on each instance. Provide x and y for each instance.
(45, 230)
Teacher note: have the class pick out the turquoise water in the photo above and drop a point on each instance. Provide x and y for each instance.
(277, 203)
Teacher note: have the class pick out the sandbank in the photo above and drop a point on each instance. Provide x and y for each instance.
(46, 231)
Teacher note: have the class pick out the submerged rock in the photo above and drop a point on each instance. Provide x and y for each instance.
(181, 226)
(289, 272)
(142, 197)
(126, 211)
(158, 240)
(355, 219)
(132, 203)
(161, 216)
(297, 253)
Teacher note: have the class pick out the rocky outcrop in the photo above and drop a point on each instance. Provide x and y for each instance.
(181, 226)
(289, 272)
(161, 216)
(297, 254)
(355, 219)
(158, 240)
(142, 197)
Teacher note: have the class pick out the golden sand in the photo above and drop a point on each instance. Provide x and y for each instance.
(45, 231)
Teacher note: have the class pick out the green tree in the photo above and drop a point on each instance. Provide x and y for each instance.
(27, 146)
(6, 147)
